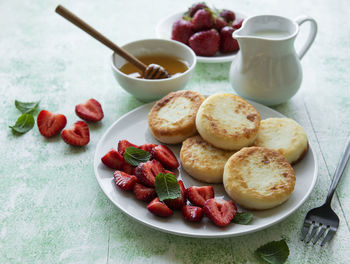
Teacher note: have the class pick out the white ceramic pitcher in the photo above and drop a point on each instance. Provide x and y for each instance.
(267, 68)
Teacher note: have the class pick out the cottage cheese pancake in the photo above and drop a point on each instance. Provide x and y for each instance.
(172, 118)
(258, 178)
(227, 121)
(285, 136)
(202, 160)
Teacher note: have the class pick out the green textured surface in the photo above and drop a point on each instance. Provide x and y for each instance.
(51, 207)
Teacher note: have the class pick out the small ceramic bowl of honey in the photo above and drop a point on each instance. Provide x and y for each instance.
(178, 59)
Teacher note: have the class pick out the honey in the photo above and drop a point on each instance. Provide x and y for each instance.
(173, 65)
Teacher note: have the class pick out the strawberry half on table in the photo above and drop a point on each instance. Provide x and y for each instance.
(50, 124)
(78, 135)
(90, 111)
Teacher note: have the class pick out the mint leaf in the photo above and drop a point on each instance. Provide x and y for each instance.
(134, 156)
(23, 124)
(166, 186)
(275, 252)
(26, 108)
(243, 218)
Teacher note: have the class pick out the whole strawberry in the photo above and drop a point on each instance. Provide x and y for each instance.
(182, 31)
(195, 7)
(237, 23)
(205, 43)
(228, 43)
(228, 15)
(219, 23)
(203, 19)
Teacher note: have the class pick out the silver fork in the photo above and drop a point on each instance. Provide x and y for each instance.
(323, 219)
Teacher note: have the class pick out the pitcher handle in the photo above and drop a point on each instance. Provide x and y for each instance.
(312, 34)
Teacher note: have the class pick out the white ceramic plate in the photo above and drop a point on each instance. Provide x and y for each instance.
(133, 127)
(163, 30)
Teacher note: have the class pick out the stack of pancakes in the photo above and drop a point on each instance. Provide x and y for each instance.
(224, 140)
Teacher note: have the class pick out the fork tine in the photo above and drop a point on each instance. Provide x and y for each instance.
(320, 233)
(305, 230)
(330, 234)
(313, 232)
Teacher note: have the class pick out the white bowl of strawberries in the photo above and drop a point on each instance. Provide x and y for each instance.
(207, 31)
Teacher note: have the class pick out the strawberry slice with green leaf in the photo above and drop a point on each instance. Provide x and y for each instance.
(113, 160)
(50, 124)
(198, 195)
(168, 171)
(90, 111)
(123, 144)
(165, 156)
(78, 135)
(148, 147)
(179, 202)
(146, 172)
(220, 211)
(158, 208)
(135, 156)
(167, 186)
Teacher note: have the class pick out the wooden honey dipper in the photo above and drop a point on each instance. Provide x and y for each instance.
(152, 71)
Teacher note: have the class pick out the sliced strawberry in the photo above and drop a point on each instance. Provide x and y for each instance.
(146, 172)
(165, 156)
(124, 181)
(178, 203)
(113, 159)
(123, 144)
(168, 171)
(90, 111)
(78, 135)
(198, 195)
(129, 169)
(148, 147)
(144, 193)
(220, 211)
(158, 208)
(192, 213)
(50, 124)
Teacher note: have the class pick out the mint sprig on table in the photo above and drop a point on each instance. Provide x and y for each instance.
(134, 156)
(25, 122)
(275, 252)
(243, 218)
(26, 107)
(166, 186)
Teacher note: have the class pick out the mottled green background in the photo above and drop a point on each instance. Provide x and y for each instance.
(52, 209)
